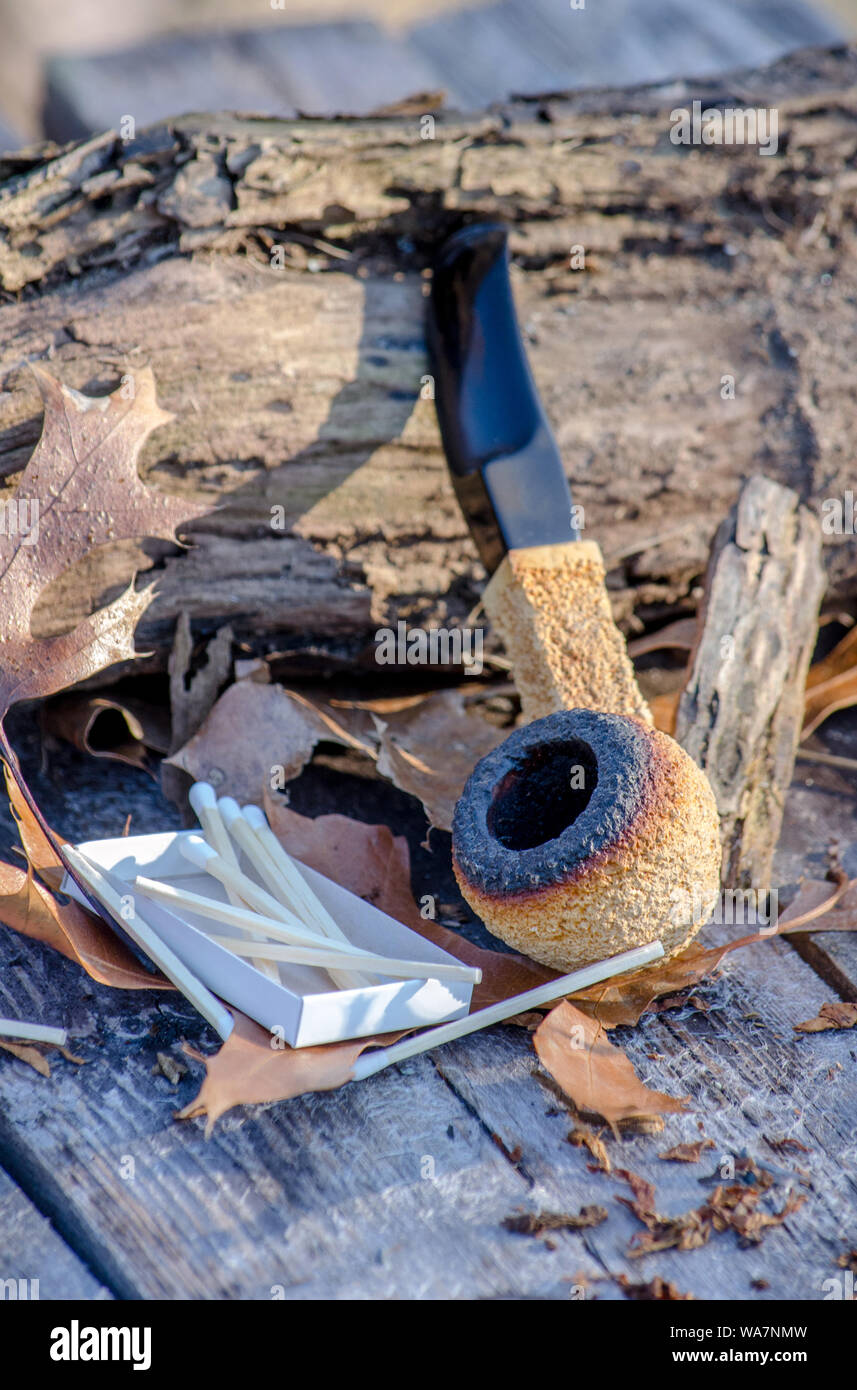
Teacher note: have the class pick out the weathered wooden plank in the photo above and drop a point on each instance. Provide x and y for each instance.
(381, 1191)
(326, 1196)
(34, 1262)
(750, 1079)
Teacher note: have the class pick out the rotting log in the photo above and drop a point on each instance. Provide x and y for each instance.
(298, 392)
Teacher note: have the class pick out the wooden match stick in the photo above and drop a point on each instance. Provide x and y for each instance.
(325, 950)
(32, 1032)
(380, 965)
(370, 1062)
(239, 828)
(290, 871)
(203, 800)
(137, 927)
(293, 933)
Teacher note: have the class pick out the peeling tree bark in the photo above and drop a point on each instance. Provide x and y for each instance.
(298, 393)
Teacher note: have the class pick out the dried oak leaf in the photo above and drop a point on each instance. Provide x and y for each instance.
(31, 909)
(252, 1068)
(687, 1153)
(426, 745)
(254, 727)
(81, 490)
(596, 1075)
(83, 486)
(834, 1014)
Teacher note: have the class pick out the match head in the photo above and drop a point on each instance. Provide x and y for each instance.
(255, 818)
(229, 810)
(197, 850)
(202, 797)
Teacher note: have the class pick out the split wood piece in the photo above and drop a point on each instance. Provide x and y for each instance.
(146, 937)
(316, 918)
(203, 800)
(33, 1032)
(371, 1062)
(549, 604)
(324, 950)
(741, 711)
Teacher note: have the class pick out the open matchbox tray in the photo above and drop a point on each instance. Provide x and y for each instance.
(303, 1007)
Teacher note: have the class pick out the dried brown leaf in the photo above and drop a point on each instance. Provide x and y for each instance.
(83, 482)
(431, 749)
(107, 728)
(599, 1078)
(582, 1138)
(255, 728)
(536, 1223)
(831, 684)
(25, 1052)
(253, 1068)
(687, 1153)
(656, 1290)
(31, 909)
(835, 1014)
(624, 1000)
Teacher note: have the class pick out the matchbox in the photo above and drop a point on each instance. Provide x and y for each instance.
(302, 1008)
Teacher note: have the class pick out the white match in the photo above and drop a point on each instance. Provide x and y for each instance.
(370, 1062)
(327, 955)
(289, 889)
(136, 926)
(203, 800)
(326, 951)
(32, 1032)
(293, 933)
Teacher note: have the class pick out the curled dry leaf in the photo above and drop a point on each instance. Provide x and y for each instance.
(657, 1290)
(597, 1076)
(536, 1223)
(122, 730)
(831, 684)
(835, 1014)
(31, 909)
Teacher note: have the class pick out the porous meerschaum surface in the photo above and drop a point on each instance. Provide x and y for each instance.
(550, 604)
(640, 861)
